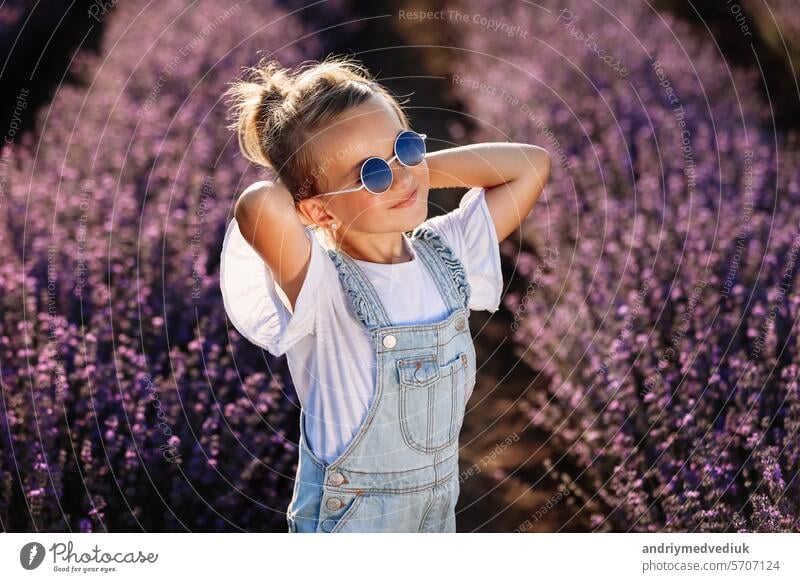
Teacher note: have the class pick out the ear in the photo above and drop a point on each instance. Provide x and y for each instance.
(311, 211)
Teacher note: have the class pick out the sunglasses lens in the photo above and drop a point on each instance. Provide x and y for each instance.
(410, 148)
(376, 175)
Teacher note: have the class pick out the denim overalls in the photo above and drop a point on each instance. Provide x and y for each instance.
(399, 473)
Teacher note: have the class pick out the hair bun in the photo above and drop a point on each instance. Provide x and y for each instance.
(256, 103)
(275, 85)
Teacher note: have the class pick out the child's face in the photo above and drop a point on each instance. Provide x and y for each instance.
(365, 131)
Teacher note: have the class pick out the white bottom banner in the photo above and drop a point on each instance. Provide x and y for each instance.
(352, 557)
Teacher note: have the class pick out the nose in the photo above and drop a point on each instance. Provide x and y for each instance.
(402, 178)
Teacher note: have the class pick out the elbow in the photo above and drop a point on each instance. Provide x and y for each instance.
(540, 155)
(547, 164)
(239, 211)
(539, 162)
(242, 212)
(247, 210)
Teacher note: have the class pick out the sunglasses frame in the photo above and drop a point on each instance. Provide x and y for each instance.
(387, 162)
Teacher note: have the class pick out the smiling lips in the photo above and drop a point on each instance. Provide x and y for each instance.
(409, 200)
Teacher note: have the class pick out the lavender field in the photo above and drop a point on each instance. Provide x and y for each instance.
(662, 296)
(129, 402)
(651, 317)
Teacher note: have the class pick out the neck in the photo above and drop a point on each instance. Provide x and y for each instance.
(385, 248)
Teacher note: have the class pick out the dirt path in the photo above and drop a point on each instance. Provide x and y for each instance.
(505, 484)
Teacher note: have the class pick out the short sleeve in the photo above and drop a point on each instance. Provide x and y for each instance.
(470, 232)
(255, 303)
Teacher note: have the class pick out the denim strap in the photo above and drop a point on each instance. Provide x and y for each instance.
(363, 298)
(447, 270)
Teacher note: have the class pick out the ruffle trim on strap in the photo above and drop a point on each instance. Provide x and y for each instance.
(454, 266)
(359, 301)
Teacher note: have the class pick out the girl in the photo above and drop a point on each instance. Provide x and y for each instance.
(317, 265)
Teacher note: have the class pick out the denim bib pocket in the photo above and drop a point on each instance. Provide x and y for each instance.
(430, 401)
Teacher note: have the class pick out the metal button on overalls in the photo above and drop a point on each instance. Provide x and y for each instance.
(402, 463)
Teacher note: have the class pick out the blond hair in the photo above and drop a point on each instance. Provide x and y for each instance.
(276, 111)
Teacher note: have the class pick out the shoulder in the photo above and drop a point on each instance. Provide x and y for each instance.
(471, 215)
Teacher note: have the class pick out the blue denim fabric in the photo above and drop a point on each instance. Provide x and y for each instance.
(399, 473)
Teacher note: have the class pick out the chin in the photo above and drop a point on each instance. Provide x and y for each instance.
(419, 217)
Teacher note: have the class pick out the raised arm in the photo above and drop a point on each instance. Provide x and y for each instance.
(268, 221)
(513, 175)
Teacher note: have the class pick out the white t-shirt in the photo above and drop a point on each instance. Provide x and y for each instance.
(328, 349)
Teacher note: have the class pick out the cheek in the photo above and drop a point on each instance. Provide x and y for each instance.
(421, 173)
(362, 207)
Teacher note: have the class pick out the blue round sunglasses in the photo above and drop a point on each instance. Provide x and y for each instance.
(376, 173)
